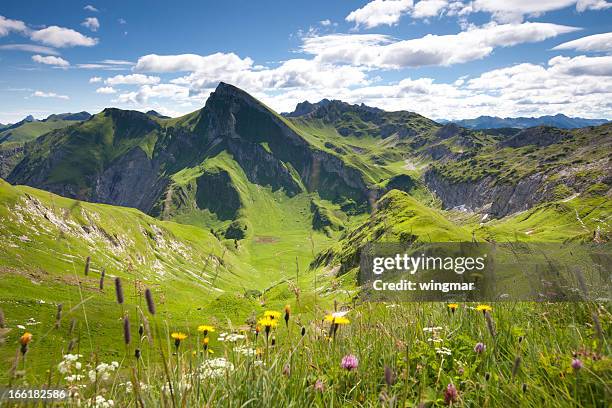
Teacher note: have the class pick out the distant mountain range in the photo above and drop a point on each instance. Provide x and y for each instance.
(494, 122)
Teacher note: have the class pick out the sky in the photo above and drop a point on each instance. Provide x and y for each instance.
(444, 59)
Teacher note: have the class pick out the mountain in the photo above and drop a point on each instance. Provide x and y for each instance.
(157, 114)
(348, 155)
(68, 116)
(559, 121)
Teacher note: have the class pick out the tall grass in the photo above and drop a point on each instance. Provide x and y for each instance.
(416, 354)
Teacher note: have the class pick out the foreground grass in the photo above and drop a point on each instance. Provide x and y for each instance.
(407, 355)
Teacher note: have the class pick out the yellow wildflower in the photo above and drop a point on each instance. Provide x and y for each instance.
(272, 314)
(453, 307)
(484, 308)
(206, 329)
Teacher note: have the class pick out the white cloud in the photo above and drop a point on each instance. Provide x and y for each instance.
(121, 21)
(42, 94)
(592, 43)
(379, 51)
(95, 79)
(146, 92)
(38, 49)
(379, 12)
(7, 25)
(62, 37)
(583, 5)
(192, 62)
(428, 8)
(582, 65)
(116, 62)
(106, 90)
(91, 8)
(325, 23)
(92, 23)
(132, 79)
(51, 60)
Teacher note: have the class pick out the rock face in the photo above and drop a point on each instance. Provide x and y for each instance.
(9, 157)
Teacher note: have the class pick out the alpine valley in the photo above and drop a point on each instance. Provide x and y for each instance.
(234, 206)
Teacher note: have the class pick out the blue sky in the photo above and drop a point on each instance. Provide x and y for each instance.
(443, 59)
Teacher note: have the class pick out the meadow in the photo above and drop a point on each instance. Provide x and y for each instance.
(353, 354)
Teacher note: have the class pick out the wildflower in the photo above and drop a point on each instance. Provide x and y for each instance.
(69, 362)
(205, 343)
(24, 340)
(443, 350)
(268, 323)
(127, 335)
(479, 348)
(232, 337)
(102, 275)
(119, 290)
(484, 308)
(150, 303)
(214, 368)
(100, 402)
(246, 351)
(103, 371)
(178, 337)
(389, 376)
(349, 362)
(450, 394)
(453, 307)
(205, 329)
(516, 366)
(319, 386)
(577, 364)
(336, 321)
(272, 314)
(287, 313)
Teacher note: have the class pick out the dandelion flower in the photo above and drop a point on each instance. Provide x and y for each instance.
(272, 314)
(205, 329)
(349, 362)
(484, 308)
(178, 337)
(453, 307)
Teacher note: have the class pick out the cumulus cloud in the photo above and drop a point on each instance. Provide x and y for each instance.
(428, 8)
(379, 12)
(95, 79)
(379, 51)
(192, 62)
(38, 49)
(91, 8)
(51, 60)
(92, 23)
(62, 37)
(106, 90)
(592, 43)
(582, 65)
(132, 79)
(41, 94)
(7, 26)
(583, 5)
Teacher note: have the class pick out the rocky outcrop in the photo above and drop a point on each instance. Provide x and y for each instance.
(9, 157)
(538, 136)
(133, 180)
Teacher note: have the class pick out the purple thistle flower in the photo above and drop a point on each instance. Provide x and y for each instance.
(480, 348)
(450, 394)
(349, 362)
(577, 364)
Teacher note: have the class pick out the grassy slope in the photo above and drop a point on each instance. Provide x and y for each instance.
(31, 130)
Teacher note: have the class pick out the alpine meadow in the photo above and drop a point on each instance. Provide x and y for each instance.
(151, 257)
